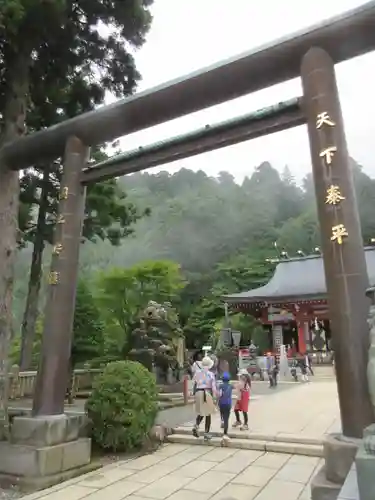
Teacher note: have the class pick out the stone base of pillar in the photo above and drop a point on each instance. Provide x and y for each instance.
(322, 489)
(339, 454)
(44, 451)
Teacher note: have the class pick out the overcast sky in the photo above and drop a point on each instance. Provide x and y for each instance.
(189, 34)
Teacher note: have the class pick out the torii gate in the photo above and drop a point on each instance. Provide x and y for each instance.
(310, 54)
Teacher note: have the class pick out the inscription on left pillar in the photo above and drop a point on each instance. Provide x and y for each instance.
(54, 274)
(62, 279)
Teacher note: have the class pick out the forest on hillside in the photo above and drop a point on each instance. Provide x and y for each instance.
(219, 233)
(200, 221)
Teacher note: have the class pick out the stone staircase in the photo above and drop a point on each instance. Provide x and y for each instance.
(172, 400)
(281, 443)
(323, 372)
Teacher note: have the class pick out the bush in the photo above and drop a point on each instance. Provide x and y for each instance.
(122, 406)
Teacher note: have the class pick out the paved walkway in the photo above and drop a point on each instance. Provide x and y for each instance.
(196, 472)
(178, 472)
(309, 409)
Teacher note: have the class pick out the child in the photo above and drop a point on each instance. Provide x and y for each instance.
(225, 403)
(243, 396)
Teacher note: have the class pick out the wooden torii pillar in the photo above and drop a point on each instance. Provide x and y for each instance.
(342, 243)
(53, 370)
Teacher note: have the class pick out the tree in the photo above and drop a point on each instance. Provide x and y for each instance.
(41, 44)
(108, 215)
(200, 327)
(49, 52)
(238, 274)
(88, 332)
(88, 328)
(220, 232)
(300, 233)
(124, 293)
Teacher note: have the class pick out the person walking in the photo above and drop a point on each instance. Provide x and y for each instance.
(275, 372)
(243, 397)
(303, 368)
(225, 403)
(308, 363)
(293, 369)
(205, 391)
(271, 370)
(223, 368)
(197, 363)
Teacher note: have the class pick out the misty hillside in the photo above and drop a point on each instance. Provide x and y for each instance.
(200, 221)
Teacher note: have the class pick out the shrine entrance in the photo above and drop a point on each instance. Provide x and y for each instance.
(311, 55)
(290, 334)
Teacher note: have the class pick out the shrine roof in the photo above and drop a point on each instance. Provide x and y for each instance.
(295, 279)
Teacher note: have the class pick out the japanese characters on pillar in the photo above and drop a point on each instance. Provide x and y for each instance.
(58, 248)
(53, 372)
(342, 242)
(334, 195)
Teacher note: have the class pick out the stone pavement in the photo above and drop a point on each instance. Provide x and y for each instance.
(177, 472)
(198, 472)
(309, 409)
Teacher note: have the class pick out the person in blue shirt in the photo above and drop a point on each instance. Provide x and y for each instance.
(225, 402)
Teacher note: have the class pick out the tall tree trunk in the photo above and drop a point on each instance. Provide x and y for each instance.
(14, 120)
(30, 315)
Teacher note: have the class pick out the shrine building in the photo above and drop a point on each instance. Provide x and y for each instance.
(293, 304)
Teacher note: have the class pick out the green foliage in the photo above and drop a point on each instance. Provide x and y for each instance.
(123, 406)
(88, 332)
(222, 249)
(58, 59)
(250, 328)
(88, 329)
(301, 233)
(108, 213)
(124, 293)
(15, 347)
(61, 36)
(199, 221)
(239, 273)
(202, 322)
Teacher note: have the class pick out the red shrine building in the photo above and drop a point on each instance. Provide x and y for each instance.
(292, 306)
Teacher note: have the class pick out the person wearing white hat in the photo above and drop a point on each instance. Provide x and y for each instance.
(205, 391)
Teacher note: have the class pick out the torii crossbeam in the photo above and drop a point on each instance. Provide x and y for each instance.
(345, 36)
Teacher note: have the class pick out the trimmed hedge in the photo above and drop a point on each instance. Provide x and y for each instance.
(123, 406)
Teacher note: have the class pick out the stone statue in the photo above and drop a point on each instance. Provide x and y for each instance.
(158, 342)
